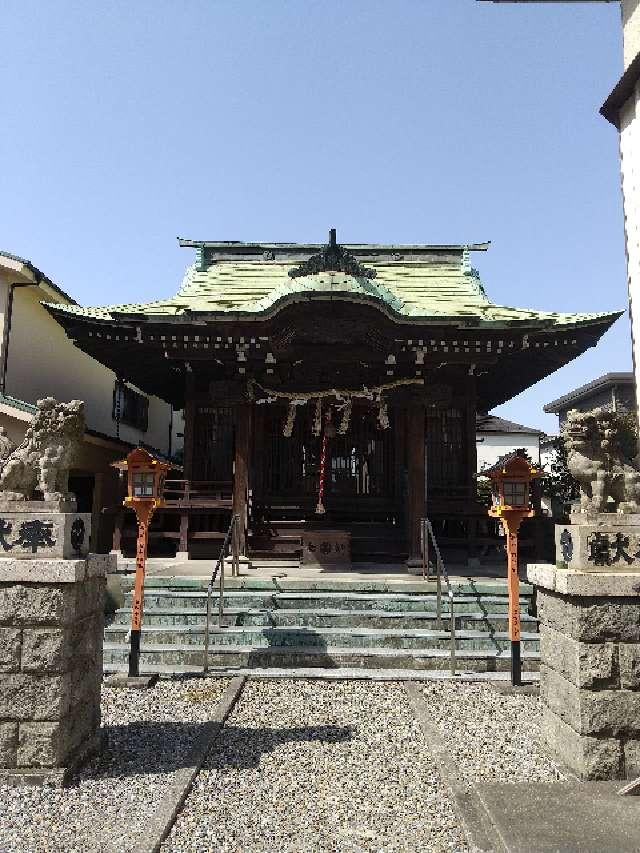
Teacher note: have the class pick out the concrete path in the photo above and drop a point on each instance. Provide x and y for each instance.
(563, 817)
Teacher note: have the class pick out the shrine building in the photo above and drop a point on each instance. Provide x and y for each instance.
(327, 386)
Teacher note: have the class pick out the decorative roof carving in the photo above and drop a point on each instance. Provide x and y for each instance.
(333, 258)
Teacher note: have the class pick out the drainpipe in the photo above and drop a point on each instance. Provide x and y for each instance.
(7, 331)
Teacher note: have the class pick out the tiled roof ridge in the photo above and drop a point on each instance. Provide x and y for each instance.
(412, 290)
(494, 423)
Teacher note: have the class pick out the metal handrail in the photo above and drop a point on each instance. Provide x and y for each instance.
(426, 532)
(232, 536)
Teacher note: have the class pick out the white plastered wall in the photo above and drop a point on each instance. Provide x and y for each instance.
(630, 30)
(491, 446)
(629, 156)
(43, 362)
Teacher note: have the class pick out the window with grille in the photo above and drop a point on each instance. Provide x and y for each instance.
(133, 407)
(515, 494)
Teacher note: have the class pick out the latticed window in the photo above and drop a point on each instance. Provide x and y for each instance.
(130, 407)
(446, 445)
(515, 493)
(142, 484)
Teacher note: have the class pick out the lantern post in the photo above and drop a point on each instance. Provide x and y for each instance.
(145, 487)
(511, 478)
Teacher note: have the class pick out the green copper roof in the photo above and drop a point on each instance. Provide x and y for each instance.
(438, 288)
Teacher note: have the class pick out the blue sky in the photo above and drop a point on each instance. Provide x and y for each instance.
(127, 124)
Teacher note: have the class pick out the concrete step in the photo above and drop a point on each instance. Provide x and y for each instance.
(324, 638)
(339, 586)
(338, 618)
(165, 599)
(283, 625)
(181, 659)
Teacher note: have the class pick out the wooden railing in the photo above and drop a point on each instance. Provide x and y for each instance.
(197, 503)
(197, 493)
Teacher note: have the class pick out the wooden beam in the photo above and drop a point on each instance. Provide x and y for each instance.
(189, 425)
(241, 471)
(416, 481)
(472, 464)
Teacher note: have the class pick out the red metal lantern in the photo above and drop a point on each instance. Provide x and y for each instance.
(145, 487)
(511, 478)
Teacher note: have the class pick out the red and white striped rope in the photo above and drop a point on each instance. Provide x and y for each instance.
(323, 456)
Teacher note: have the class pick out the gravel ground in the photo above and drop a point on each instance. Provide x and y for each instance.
(317, 766)
(149, 734)
(493, 737)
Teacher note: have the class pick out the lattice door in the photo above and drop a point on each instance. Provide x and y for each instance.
(213, 444)
(359, 462)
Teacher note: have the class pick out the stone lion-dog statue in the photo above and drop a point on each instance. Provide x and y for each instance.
(596, 460)
(42, 460)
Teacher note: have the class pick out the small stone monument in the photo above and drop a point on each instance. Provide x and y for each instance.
(589, 610)
(51, 605)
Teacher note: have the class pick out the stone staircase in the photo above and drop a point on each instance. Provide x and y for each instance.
(289, 624)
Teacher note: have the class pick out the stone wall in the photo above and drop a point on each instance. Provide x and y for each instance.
(590, 669)
(51, 629)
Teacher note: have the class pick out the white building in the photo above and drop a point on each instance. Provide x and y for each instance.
(496, 436)
(622, 109)
(38, 360)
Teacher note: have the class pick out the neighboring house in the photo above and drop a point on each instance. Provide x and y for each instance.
(38, 360)
(496, 437)
(612, 391)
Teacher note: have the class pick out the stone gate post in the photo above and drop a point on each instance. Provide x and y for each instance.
(51, 628)
(590, 668)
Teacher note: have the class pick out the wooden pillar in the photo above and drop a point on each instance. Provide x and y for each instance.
(189, 426)
(472, 451)
(416, 481)
(399, 458)
(241, 471)
(257, 472)
(183, 544)
(189, 464)
(473, 560)
(96, 511)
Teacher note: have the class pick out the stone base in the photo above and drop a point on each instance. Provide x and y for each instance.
(589, 758)
(600, 542)
(17, 504)
(30, 533)
(24, 777)
(51, 777)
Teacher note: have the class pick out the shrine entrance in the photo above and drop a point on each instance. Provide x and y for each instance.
(359, 481)
(357, 487)
(360, 464)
